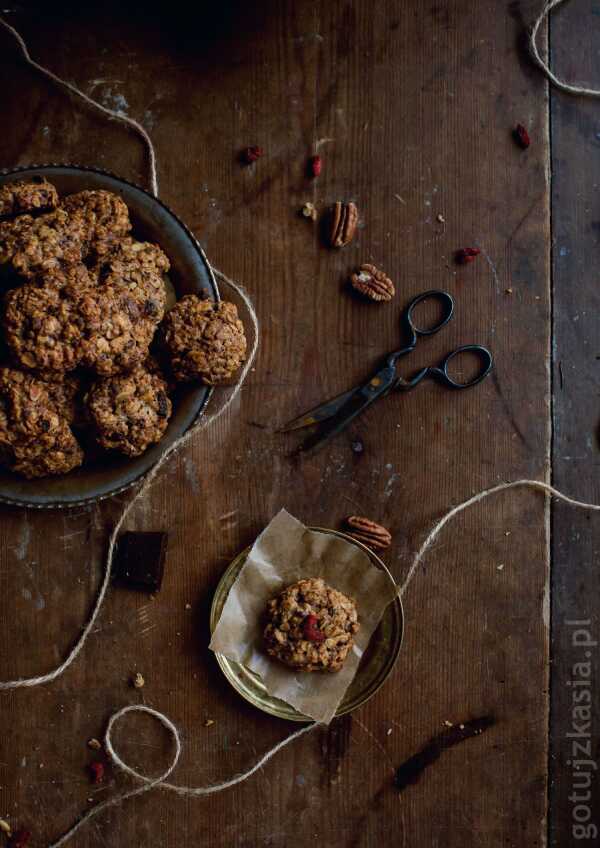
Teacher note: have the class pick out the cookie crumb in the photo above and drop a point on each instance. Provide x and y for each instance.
(208, 722)
(138, 681)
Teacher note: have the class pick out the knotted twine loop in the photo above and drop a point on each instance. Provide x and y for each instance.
(160, 782)
(545, 67)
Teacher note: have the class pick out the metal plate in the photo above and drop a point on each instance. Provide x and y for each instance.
(190, 273)
(375, 666)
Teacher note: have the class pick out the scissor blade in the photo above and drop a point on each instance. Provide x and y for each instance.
(319, 413)
(347, 412)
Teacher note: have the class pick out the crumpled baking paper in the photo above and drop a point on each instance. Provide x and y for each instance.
(286, 551)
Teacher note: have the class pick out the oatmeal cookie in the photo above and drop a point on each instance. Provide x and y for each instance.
(38, 245)
(131, 297)
(130, 412)
(205, 340)
(35, 439)
(129, 253)
(47, 328)
(10, 234)
(124, 332)
(35, 196)
(55, 452)
(63, 390)
(311, 626)
(103, 217)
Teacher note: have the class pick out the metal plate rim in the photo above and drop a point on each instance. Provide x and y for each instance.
(227, 666)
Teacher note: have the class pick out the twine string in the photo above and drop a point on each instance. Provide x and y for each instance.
(161, 782)
(544, 66)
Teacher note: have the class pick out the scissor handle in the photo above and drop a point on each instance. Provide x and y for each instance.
(447, 302)
(441, 372)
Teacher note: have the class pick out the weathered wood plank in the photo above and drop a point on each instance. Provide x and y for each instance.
(575, 788)
(418, 101)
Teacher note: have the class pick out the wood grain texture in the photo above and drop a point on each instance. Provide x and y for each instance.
(575, 787)
(412, 106)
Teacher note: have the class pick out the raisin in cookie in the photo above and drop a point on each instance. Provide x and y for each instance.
(130, 412)
(311, 626)
(205, 340)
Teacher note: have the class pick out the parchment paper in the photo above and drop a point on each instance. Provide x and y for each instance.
(286, 551)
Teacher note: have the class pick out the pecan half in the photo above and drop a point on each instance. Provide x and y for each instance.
(372, 283)
(372, 535)
(344, 219)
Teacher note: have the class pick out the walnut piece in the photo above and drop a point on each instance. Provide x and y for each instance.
(344, 220)
(368, 532)
(373, 283)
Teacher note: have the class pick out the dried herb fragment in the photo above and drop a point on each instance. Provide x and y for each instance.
(315, 165)
(251, 154)
(311, 631)
(521, 136)
(466, 255)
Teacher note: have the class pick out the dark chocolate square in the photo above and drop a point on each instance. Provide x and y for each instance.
(139, 561)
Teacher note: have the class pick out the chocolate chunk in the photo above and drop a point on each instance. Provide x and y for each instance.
(140, 560)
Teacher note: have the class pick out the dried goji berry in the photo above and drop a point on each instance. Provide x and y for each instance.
(311, 631)
(19, 839)
(467, 254)
(251, 154)
(315, 165)
(521, 136)
(97, 772)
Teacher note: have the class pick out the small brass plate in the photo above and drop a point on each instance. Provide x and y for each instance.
(375, 666)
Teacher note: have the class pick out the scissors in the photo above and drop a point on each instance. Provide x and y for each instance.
(333, 416)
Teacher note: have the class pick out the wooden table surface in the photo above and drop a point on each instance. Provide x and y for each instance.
(411, 106)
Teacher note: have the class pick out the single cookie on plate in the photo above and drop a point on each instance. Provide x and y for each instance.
(311, 626)
(130, 412)
(35, 196)
(35, 438)
(205, 340)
